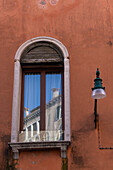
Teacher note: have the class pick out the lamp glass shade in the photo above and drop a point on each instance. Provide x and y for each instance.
(98, 93)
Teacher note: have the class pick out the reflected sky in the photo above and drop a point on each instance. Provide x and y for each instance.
(32, 91)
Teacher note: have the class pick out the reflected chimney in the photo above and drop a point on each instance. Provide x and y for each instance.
(55, 92)
(26, 111)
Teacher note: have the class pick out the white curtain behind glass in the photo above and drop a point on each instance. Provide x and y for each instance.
(31, 91)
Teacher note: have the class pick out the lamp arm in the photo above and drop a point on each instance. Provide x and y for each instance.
(95, 113)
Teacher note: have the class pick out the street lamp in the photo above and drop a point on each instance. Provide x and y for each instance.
(98, 92)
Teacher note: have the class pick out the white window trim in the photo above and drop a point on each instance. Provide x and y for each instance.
(17, 87)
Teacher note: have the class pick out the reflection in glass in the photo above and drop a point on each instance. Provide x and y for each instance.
(31, 93)
(34, 129)
(53, 117)
(31, 121)
(53, 107)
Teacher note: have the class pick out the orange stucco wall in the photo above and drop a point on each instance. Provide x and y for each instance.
(85, 27)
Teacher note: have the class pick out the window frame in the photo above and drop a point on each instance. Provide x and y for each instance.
(14, 144)
(42, 71)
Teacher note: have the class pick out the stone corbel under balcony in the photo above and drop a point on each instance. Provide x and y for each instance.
(62, 145)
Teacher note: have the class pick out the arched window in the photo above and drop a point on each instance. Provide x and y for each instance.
(41, 97)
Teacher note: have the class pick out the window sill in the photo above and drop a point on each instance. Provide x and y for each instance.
(62, 145)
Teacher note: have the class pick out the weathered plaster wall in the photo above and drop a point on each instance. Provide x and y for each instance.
(85, 27)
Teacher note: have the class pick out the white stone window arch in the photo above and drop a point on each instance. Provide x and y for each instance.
(17, 99)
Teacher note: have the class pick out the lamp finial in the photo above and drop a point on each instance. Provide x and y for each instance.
(97, 72)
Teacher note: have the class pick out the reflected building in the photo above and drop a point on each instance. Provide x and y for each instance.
(31, 125)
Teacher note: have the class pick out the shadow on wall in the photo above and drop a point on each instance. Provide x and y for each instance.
(78, 138)
(7, 163)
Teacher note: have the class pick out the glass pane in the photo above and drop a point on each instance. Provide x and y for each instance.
(53, 117)
(31, 123)
(53, 107)
(31, 93)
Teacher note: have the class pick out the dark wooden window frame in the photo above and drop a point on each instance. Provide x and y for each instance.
(42, 70)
